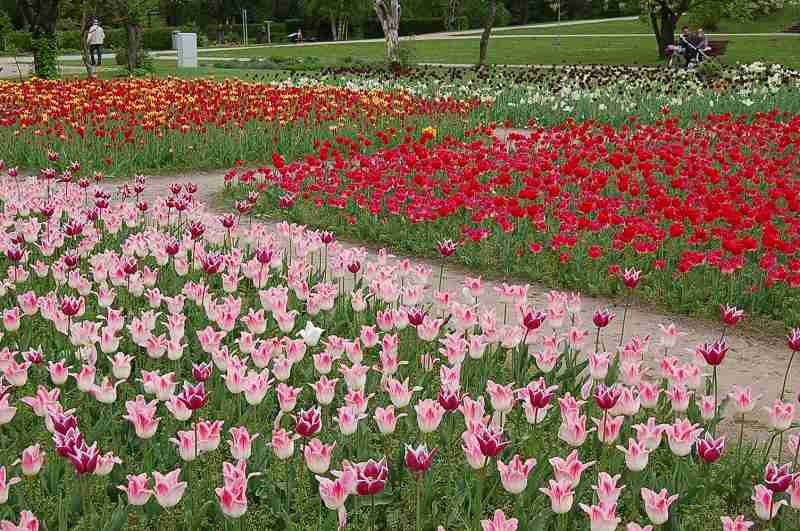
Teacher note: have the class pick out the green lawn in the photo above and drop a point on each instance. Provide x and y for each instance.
(573, 50)
(773, 23)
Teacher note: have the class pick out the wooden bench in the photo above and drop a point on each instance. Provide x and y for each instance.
(718, 48)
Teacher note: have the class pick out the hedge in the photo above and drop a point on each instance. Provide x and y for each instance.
(255, 32)
(152, 39)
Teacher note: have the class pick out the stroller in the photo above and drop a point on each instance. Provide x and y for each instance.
(678, 55)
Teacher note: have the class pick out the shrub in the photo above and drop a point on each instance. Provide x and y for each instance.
(144, 63)
(5, 28)
(19, 40)
(157, 38)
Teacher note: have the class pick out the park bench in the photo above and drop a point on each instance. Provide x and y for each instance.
(718, 48)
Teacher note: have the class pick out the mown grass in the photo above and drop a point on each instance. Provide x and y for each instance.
(524, 51)
(772, 23)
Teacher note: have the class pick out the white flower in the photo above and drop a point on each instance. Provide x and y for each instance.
(310, 334)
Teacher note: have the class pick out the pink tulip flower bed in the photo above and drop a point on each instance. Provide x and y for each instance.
(163, 368)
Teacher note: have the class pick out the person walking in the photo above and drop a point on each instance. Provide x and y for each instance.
(95, 39)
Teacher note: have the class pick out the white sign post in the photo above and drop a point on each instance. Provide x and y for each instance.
(187, 50)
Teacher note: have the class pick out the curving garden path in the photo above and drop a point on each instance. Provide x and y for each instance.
(755, 358)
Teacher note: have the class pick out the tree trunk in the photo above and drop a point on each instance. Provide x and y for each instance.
(134, 43)
(334, 34)
(664, 30)
(487, 31)
(388, 12)
(84, 33)
(525, 11)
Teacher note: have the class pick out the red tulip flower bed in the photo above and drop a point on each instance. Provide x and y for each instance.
(708, 211)
(134, 125)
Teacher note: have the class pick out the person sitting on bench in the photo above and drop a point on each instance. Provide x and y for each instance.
(703, 46)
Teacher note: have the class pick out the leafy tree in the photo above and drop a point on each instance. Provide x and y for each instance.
(41, 17)
(133, 14)
(342, 14)
(665, 14)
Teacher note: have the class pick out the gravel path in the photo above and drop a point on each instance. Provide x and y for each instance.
(754, 359)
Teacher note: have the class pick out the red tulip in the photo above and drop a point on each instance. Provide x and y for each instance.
(710, 449)
(308, 422)
(419, 459)
(371, 477)
(601, 318)
(606, 397)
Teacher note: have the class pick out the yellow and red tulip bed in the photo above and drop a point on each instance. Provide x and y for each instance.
(134, 125)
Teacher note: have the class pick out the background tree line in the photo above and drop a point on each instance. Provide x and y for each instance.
(219, 20)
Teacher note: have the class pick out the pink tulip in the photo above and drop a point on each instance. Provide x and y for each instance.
(142, 415)
(287, 396)
(232, 500)
(501, 396)
(429, 415)
(209, 435)
(400, 392)
(178, 409)
(636, 455)
(27, 522)
(6, 484)
(7, 412)
(742, 399)
(569, 469)
(681, 436)
(241, 443)
(636, 527)
(167, 489)
(283, 444)
(137, 491)
(347, 418)
(42, 401)
(606, 488)
(794, 493)
(514, 475)
(386, 419)
(334, 493)
(500, 522)
(472, 451)
(602, 517)
(121, 366)
(656, 505)
(59, 372)
(766, 508)
(573, 429)
(31, 461)
(561, 495)
(185, 442)
(325, 390)
(781, 415)
(105, 464)
(608, 428)
(737, 524)
(318, 456)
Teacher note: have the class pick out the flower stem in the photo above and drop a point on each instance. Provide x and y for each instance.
(786, 375)
(419, 504)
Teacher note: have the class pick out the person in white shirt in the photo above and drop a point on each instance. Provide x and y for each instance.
(95, 39)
